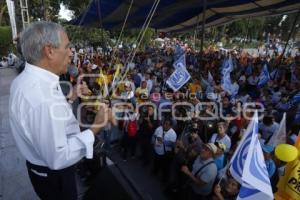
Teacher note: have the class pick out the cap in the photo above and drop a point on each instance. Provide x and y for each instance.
(212, 147)
(94, 66)
(220, 145)
(127, 84)
(242, 78)
(86, 62)
(267, 148)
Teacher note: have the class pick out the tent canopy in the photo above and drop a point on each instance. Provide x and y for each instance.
(178, 15)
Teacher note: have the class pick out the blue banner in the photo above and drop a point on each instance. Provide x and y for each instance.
(178, 79)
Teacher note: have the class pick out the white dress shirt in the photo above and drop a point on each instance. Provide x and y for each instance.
(42, 122)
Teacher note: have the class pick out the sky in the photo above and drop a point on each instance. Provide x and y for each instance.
(65, 13)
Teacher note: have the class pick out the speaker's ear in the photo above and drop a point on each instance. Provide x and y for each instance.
(48, 51)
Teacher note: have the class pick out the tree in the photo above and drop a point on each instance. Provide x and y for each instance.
(78, 6)
(96, 36)
(3, 13)
(5, 39)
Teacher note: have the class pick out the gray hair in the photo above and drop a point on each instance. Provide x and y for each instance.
(36, 36)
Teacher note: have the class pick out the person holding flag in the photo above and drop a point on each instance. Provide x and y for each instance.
(289, 181)
(264, 77)
(180, 76)
(248, 166)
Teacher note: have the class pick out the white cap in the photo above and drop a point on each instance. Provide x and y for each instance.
(94, 66)
(242, 78)
(212, 147)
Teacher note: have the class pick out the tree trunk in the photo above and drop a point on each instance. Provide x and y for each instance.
(2, 13)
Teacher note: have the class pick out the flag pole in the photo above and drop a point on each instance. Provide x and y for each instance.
(203, 29)
(226, 168)
(289, 37)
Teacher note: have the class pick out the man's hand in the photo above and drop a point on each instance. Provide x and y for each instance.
(102, 118)
(217, 189)
(185, 169)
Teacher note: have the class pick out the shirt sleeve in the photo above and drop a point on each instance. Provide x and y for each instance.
(57, 147)
(213, 138)
(173, 137)
(208, 175)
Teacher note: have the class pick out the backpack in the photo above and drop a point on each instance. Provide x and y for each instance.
(132, 128)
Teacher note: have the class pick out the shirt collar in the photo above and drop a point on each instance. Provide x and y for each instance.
(42, 73)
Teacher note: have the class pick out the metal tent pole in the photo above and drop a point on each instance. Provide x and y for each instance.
(289, 37)
(24, 13)
(247, 32)
(203, 28)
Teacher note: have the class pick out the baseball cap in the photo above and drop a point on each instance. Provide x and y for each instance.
(86, 62)
(220, 145)
(267, 148)
(212, 147)
(94, 66)
(242, 78)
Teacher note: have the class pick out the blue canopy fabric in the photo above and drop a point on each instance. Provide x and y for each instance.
(178, 15)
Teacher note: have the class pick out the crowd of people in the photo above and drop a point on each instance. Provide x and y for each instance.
(184, 113)
(10, 60)
(191, 154)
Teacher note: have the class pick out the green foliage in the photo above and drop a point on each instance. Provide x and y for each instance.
(249, 28)
(5, 39)
(131, 36)
(3, 14)
(87, 36)
(52, 7)
(36, 9)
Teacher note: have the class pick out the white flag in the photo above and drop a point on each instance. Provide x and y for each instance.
(279, 137)
(256, 182)
(238, 159)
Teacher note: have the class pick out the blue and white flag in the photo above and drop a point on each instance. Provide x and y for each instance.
(279, 137)
(180, 62)
(264, 77)
(178, 52)
(295, 99)
(274, 74)
(210, 79)
(226, 83)
(238, 159)
(248, 166)
(297, 116)
(256, 183)
(178, 79)
(227, 66)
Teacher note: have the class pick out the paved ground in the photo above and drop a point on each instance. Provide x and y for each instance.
(14, 181)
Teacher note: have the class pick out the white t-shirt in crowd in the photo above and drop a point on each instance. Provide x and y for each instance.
(163, 141)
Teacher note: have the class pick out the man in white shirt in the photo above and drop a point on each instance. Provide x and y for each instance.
(164, 139)
(43, 125)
